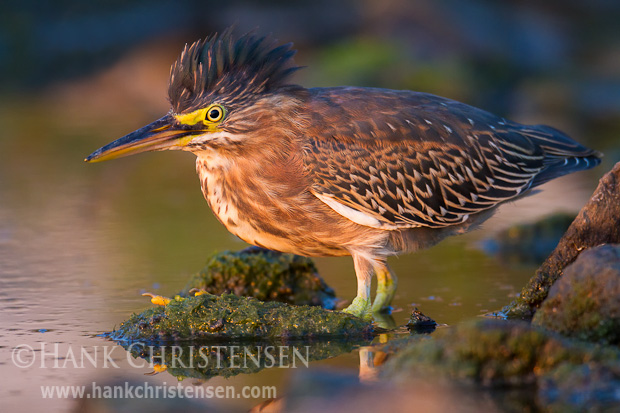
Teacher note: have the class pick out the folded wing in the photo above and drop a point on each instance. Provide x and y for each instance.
(436, 165)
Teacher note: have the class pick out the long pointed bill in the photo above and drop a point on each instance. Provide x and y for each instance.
(159, 135)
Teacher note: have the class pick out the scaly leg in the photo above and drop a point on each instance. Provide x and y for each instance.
(360, 306)
(386, 287)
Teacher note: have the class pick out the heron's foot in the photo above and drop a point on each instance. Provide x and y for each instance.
(360, 307)
(385, 293)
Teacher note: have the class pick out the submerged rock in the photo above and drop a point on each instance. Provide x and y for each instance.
(265, 275)
(585, 302)
(504, 356)
(493, 353)
(520, 367)
(597, 223)
(529, 243)
(230, 317)
(421, 323)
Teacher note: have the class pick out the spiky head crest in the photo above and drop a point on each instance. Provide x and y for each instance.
(220, 68)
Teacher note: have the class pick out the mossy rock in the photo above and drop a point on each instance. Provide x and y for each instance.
(230, 317)
(265, 275)
(493, 353)
(585, 302)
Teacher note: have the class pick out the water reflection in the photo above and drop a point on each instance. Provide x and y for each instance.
(226, 359)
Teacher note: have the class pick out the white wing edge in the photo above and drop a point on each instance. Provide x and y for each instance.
(354, 215)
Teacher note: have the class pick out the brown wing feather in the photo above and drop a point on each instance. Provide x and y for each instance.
(421, 160)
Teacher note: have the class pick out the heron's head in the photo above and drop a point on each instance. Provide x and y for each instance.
(223, 92)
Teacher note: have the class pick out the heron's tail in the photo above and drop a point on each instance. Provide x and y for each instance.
(562, 154)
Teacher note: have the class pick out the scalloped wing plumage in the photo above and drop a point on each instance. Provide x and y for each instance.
(434, 165)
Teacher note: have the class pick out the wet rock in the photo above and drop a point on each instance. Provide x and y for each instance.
(265, 275)
(585, 302)
(421, 323)
(230, 317)
(597, 223)
(493, 353)
(529, 243)
(519, 367)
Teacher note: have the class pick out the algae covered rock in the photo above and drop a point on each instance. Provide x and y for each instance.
(493, 353)
(585, 302)
(230, 317)
(505, 357)
(265, 275)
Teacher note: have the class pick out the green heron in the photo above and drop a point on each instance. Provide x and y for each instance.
(340, 171)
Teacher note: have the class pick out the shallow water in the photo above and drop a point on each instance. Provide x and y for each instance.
(79, 243)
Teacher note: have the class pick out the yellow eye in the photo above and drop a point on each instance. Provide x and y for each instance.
(214, 113)
(208, 116)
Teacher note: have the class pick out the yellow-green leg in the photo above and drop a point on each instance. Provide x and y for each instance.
(386, 287)
(360, 306)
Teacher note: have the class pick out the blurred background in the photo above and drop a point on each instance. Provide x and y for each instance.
(78, 243)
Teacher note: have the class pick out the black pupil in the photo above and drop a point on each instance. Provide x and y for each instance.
(214, 114)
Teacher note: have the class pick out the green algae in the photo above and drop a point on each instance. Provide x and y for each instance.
(493, 353)
(578, 315)
(265, 275)
(230, 317)
(585, 302)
